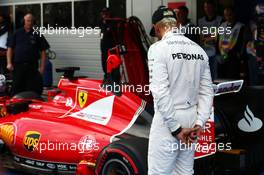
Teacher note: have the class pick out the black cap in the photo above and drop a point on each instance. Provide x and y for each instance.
(161, 13)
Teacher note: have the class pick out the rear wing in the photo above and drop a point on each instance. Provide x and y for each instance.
(228, 87)
(206, 145)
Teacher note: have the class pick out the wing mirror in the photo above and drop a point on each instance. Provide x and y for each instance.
(113, 62)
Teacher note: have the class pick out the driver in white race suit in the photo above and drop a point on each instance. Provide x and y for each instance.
(181, 85)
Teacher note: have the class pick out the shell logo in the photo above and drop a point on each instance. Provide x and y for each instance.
(7, 132)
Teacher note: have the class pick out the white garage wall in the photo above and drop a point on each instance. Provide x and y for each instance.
(71, 50)
(143, 9)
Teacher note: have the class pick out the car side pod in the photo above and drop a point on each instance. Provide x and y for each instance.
(87, 166)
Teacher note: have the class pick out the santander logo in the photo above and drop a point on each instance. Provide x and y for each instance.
(249, 123)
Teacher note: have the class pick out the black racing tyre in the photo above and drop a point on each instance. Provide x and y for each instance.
(29, 95)
(117, 165)
(126, 157)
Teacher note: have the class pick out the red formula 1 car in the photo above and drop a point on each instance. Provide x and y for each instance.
(84, 128)
(92, 127)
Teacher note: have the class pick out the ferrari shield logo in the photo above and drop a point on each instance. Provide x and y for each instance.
(82, 98)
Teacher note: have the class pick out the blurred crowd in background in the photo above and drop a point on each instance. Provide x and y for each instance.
(232, 55)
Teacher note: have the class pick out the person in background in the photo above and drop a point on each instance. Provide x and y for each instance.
(209, 41)
(255, 46)
(231, 46)
(260, 30)
(3, 39)
(251, 53)
(3, 25)
(182, 21)
(107, 42)
(260, 35)
(25, 48)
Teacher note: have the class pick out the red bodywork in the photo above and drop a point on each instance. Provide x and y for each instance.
(72, 129)
(75, 126)
(59, 121)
